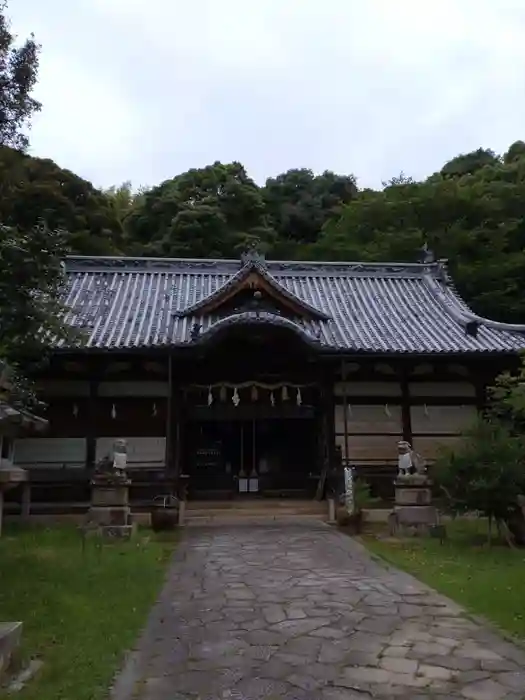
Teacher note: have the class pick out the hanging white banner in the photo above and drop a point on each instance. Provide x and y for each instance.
(349, 490)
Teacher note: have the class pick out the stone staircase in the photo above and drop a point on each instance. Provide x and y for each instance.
(254, 511)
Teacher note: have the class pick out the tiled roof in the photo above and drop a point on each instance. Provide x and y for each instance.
(355, 307)
(20, 418)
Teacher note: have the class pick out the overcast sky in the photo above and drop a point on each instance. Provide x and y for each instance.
(141, 90)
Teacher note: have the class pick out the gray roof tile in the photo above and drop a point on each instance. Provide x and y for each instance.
(356, 307)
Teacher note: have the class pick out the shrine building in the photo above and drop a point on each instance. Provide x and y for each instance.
(257, 377)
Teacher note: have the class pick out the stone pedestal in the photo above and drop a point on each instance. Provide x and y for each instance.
(105, 495)
(413, 510)
(110, 512)
(10, 634)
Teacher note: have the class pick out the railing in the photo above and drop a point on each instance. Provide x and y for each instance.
(68, 489)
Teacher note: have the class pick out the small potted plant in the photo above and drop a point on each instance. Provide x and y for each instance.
(164, 513)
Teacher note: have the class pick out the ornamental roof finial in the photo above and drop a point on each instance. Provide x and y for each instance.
(253, 252)
(426, 254)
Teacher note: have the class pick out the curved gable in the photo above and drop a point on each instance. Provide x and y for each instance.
(248, 318)
(254, 278)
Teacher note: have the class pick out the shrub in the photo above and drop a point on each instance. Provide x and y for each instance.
(486, 473)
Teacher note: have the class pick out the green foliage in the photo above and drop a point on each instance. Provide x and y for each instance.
(469, 163)
(30, 283)
(207, 212)
(121, 200)
(33, 190)
(399, 180)
(507, 403)
(18, 75)
(516, 152)
(299, 204)
(484, 474)
(218, 210)
(362, 495)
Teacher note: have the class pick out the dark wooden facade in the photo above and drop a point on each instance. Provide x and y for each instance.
(179, 409)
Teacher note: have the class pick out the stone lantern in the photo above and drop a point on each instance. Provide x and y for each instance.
(14, 421)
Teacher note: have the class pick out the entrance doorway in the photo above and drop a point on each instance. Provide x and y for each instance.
(252, 457)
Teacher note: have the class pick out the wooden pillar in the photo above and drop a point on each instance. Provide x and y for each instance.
(345, 412)
(326, 387)
(174, 427)
(169, 466)
(25, 505)
(329, 406)
(481, 397)
(253, 472)
(406, 417)
(91, 436)
(480, 385)
(177, 459)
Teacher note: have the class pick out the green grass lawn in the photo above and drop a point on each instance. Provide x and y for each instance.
(488, 581)
(81, 611)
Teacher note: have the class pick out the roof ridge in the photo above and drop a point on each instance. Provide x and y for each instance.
(154, 258)
(462, 313)
(126, 263)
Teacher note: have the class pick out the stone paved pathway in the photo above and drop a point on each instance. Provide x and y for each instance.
(302, 612)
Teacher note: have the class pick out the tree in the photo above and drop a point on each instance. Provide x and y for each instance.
(18, 75)
(398, 180)
(486, 474)
(212, 211)
(507, 400)
(34, 190)
(121, 200)
(516, 152)
(469, 163)
(300, 203)
(31, 279)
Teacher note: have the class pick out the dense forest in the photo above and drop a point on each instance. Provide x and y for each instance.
(472, 213)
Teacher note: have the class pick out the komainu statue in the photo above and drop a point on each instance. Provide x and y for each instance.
(120, 456)
(112, 467)
(409, 461)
